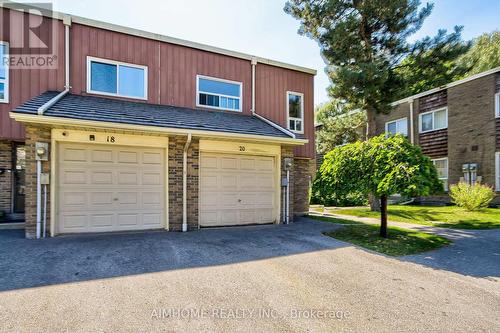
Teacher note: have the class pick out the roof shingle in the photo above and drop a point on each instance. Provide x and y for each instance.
(135, 113)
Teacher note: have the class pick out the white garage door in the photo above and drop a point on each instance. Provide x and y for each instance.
(110, 188)
(237, 190)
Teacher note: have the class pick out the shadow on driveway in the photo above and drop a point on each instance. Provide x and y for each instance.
(31, 263)
(473, 252)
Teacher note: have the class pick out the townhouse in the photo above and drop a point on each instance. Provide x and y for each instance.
(131, 130)
(457, 126)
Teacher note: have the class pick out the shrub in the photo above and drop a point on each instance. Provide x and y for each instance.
(471, 197)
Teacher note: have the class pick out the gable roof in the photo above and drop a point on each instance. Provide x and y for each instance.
(109, 110)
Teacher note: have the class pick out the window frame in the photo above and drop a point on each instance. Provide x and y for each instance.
(396, 121)
(5, 81)
(90, 59)
(433, 112)
(288, 118)
(497, 171)
(240, 98)
(497, 105)
(447, 171)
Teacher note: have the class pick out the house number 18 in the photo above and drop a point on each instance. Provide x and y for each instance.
(110, 139)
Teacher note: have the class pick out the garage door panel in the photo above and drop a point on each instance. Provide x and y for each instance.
(101, 220)
(101, 177)
(74, 177)
(128, 157)
(110, 188)
(102, 156)
(74, 155)
(237, 190)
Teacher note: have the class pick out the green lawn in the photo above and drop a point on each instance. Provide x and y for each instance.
(446, 217)
(399, 243)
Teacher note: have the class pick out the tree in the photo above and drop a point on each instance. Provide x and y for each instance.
(434, 67)
(338, 126)
(364, 43)
(380, 165)
(484, 54)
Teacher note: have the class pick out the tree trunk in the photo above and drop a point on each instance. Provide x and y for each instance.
(371, 131)
(383, 216)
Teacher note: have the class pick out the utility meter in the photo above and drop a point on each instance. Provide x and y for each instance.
(41, 151)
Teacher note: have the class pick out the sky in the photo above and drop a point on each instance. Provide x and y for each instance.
(261, 27)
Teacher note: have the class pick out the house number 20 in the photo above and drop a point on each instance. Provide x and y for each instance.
(242, 148)
(110, 139)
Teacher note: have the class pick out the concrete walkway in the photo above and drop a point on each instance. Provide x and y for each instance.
(473, 252)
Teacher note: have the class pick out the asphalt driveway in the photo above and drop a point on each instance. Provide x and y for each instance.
(269, 278)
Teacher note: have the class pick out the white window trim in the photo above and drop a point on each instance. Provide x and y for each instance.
(113, 62)
(396, 121)
(447, 170)
(497, 171)
(6, 80)
(240, 98)
(433, 113)
(288, 118)
(497, 104)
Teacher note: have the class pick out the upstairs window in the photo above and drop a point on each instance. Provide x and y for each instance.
(441, 165)
(218, 93)
(434, 120)
(295, 111)
(4, 72)
(399, 126)
(497, 104)
(115, 78)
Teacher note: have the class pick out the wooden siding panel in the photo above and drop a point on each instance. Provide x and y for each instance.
(434, 144)
(272, 85)
(433, 101)
(25, 84)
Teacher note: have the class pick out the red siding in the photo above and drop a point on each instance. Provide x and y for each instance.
(28, 83)
(172, 71)
(272, 83)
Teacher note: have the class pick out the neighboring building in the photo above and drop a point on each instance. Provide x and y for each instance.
(457, 126)
(152, 133)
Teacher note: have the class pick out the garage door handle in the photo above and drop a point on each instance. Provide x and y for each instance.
(239, 200)
(115, 199)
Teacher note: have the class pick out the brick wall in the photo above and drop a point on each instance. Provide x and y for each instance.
(35, 134)
(6, 176)
(175, 152)
(303, 173)
(471, 128)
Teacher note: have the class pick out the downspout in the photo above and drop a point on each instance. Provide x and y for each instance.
(41, 111)
(184, 183)
(51, 102)
(412, 135)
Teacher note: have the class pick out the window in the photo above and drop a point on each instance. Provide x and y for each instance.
(399, 126)
(218, 93)
(114, 78)
(295, 111)
(441, 165)
(497, 104)
(434, 120)
(497, 171)
(4, 72)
